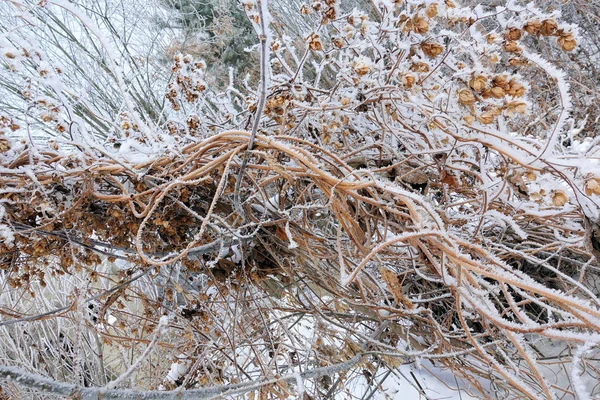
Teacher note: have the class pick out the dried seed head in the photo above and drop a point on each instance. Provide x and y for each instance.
(516, 107)
(516, 89)
(420, 25)
(500, 80)
(477, 83)
(314, 42)
(559, 199)
(4, 145)
(361, 66)
(486, 118)
(432, 49)
(592, 186)
(408, 80)
(466, 97)
(498, 92)
(419, 67)
(532, 27)
(431, 11)
(548, 27)
(567, 42)
(511, 46)
(513, 34)
(517, 62)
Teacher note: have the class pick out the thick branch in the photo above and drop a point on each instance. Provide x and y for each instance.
(46, 385)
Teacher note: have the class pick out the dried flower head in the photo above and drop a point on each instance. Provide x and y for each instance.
(548, 27)
(477, 83)
(314, 42)
(466, 97)
(432, 49)
(567, 42)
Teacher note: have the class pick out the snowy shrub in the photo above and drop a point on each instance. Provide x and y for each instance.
(401, 184)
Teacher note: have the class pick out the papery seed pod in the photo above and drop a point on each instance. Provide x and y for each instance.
(498, 92)
(466, 97)
(4, 145)
(517, 62)
(361, 66)
(486, 118)
(513, 34)
(419, 67)
(408, 80)
(516, 106)
(592, 186)
(511, 46)
(548, 27)
(47, 117)
(432, 49)
(559, 199)
(314, 42)
(567, 42)
(200, 87)
(499, 80)
(402, 19)
(477, 83)
(328, 15)
(420, 25)
(532, 27)
(431, 11)
(516, 89)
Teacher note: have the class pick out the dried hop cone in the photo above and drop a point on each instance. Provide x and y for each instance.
(466, 97)
(420, 25)
(486, 118)
(477, 83)
(361, 66)
(4, 145)
(511, 46)
(567, 42)
(592, 186)
(548, 27)
(532, 27)
(559, 199)
(314, 42)
(432, 49)
(513, 34)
